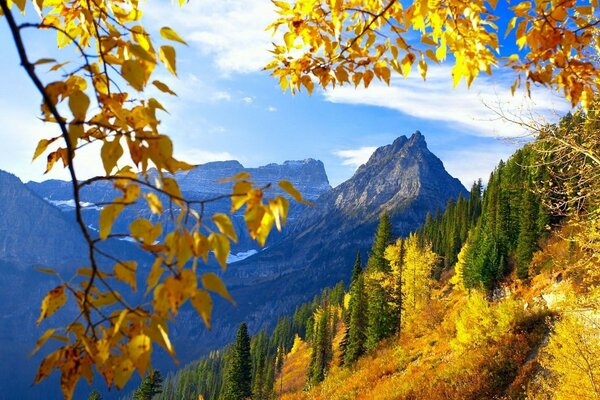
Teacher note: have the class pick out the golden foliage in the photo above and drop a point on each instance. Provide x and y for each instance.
(572, 358)
(100, 102)
(337, 42)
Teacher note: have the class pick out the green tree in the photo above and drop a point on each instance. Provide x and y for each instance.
(356, 269)
(150, 386)
(322, 352)
(238, 379)
(383, 238)
(527, 235)
(381, 316)
(356, 334)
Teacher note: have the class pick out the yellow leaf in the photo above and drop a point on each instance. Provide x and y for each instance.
(406, 64)
(163, 87)
(212, 282)
(220, 247)
(123, 372)
(203, 304)
(46, 270)
(145, 231)
(289, 188)
(279, 207)
(201, 246)
(170, 34)
(423, 69)
(125, 272)
(55, 299)
(167, 56)
(43, 339)
(155, 274)
(240, 176)
(428, 41)
(41, 147)
(79, 103)
(239, 194)
(44, 61)
(133, 72)
(171, 187)
(154, 203)
(166, 340)
(139, 349)
(225, 226)
(107, 217)
(111, 152)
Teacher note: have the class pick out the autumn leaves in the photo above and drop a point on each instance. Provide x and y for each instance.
(337, 42)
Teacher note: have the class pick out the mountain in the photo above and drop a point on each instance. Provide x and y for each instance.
(403, 179)
(202, 182)
(33, 231)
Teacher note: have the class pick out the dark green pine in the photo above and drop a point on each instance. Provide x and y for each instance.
(238, 379)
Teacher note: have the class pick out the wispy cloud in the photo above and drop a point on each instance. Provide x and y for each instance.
(355, 157)
(197, 156)
(271, 109)
(232, 32)
(473, 163)
(248, 100)
(471, 110)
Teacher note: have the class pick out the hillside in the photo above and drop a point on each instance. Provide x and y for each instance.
(507, 307)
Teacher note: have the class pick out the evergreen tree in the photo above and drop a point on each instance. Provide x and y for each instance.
(383, 238)
(527, 235)
(356, 270)
(356, 334)
(95, 395)
(238, 379)
(381, 316)
(322, 351)
(150, 386)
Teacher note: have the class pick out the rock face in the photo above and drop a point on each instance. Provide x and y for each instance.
(33, 232)
(308, 176)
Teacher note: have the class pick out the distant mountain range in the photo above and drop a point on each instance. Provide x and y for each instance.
(316, 249)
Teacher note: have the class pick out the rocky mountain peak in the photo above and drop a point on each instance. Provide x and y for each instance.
(398, 176)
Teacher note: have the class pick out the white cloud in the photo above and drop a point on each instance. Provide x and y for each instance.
(466, 109)
(470, 164)
(355, 157)
(231, 31)
(271, 109)
(248, 100)
(221, 96)
(197, 156)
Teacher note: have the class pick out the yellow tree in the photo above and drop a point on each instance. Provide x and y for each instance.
(572, 358)
(416, 276)
(101, 104)
(554, 43)
(409, 283)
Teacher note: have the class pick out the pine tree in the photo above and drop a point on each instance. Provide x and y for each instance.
(356, 270)
(527, 235)
(150, 386)
(95, 395)
(381, 318)
(322, 351)
(356, 335)
(238, 379)
(383, 238)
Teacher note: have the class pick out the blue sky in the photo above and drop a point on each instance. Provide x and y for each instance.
(228, 108)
